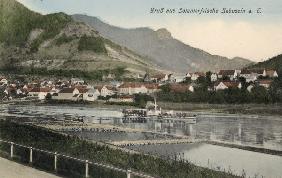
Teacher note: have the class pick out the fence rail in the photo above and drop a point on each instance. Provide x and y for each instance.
(128, 173)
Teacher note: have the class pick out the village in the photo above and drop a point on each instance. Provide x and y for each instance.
(75, 89)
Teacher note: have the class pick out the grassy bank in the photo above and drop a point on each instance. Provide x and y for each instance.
(52, 141)
(261, 109)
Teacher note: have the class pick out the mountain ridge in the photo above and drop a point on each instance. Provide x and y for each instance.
(167, 52)
(54, 41)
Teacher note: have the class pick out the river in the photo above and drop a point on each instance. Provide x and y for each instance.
(261, 131)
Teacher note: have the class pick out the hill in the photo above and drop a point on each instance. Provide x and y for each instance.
(162, 48)
(56, 42)
(272, 63)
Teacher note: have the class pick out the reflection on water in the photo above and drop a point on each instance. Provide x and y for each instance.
(237, 161)
(263, 132)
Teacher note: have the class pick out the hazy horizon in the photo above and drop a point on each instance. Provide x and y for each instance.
(254, 37)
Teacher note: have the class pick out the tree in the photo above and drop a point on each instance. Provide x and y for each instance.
(165, 88)
(260, 95)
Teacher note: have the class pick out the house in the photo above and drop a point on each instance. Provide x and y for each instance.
(122, 99)
(77, 81)
(189, 75)
(181, 88)
(160, 77)
(10, 91)
(55, 89)
(39, 93)
(227, 84)
(250, 87)
(271, 73)
(106, 90)
(248, 75)
(109, 77)
(213, 77)
(29, 87)
(71, 94)
(258, 72)
(196, 75)
(231, 74)
(265, 83)
(152, 87)
(3, 81)
(91, 95)
(178, 78)
(132, 88)
(21, 92)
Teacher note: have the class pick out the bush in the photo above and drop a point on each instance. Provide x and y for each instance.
(63, 39)
(95, 44)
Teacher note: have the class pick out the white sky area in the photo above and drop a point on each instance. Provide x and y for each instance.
(256, 36)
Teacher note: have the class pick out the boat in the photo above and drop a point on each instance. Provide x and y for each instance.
(154, 112)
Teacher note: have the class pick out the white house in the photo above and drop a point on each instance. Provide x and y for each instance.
(232, 74)
(189, 75)
(39, 93)
(178, 78)
(132, 88)
(250, 87)
(225, 85)
(106, 90)
(160, 77)
(3, 81)
(181, 88)
(77, 81)
(91, 94)
(213, 77)
(248, 75)
(271, 73)
(196, 75)
(122, 99)
(71, 94)
(265, 83)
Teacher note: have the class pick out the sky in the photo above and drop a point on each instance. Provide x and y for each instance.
(256, 36)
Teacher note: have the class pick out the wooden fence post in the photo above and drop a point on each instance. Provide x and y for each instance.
(86, 169)
(128, 173)
(30, 155)
(55, 162)
(12, 149)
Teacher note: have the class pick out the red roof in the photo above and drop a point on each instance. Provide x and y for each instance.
(265, 82)
(158, 76)
(226, 72)
(82, 90)
(126, 97)
(67, 90)
(231, 84)
(180, 88)
(257, 71)
(246, 72)
(131, 85)
(270, 73)
(151, 86)
(99, 87)
(38, 89)
(202, 74)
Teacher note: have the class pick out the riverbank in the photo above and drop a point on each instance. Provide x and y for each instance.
(254, 109)
(70, 145)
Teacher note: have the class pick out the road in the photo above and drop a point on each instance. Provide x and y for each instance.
(10, 169)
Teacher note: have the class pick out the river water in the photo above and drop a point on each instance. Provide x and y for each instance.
(261, 131)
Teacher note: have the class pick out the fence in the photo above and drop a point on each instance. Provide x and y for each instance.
(53, 159)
